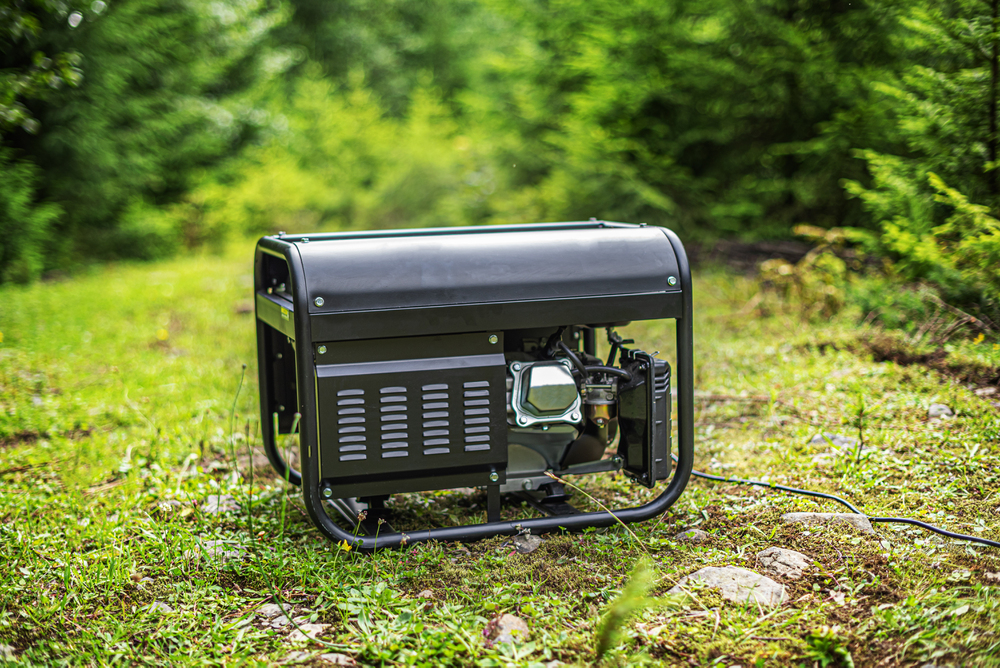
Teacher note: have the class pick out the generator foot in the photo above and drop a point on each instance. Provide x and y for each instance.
(493, 503)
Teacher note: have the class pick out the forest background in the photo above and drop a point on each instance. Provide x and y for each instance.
(140, 129)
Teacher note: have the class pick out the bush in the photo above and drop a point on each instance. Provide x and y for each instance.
(24, 223)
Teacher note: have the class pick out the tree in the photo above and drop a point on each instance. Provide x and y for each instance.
(936, 198)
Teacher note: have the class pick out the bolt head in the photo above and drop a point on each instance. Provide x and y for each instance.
(493, 339)
(494, 476)
(527, 484)
(575, 417)
(671, 280)
(516, 366)
(321, 350)
(522, 420)
(327, 492)
(319, 301)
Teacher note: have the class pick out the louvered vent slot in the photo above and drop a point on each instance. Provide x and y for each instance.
(476, 411)
(436, 419)
(393, 422)
(351, 440)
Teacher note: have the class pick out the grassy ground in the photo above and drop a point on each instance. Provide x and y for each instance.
(120, 425)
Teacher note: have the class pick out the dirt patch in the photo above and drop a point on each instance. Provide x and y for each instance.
(746, 257)
(888, 347)
(27, 437)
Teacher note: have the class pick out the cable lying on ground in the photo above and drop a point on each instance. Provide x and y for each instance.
(821, 495)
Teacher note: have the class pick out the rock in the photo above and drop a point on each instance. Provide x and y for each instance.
(220, 503)
(938, 411)
(159, 606)
(507, 628)
(307, 632)
(280, 621)
(986, 391)
(785, 563)
(993, 577)
(692, 536)
(269, 610)
(527, 543)
(859, 522)
(7, 653)
(736, 584)
(339, 659)
(837, 441)
(427, 593)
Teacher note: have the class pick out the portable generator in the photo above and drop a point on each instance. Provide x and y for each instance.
(434, 359)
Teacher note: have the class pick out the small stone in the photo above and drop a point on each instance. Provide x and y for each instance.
(507, 628)
(986, 391)
(692, 536)
(837, 441)
(220, 503)
(839, 598)
(307, 632)
(7, 653)
(993, 577)
(527, 543)
(427, 593)
(280, 621)
(339, 659)
(159, 606)
(859, 522)
(296, 657)
(736, 584)
(938, 411)
(269, 610)
(785, 563)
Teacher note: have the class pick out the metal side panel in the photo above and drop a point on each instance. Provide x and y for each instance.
(382, 419)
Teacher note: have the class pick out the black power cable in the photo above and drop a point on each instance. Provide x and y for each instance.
(821, 495)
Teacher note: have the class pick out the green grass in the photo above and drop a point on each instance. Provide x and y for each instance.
(116, 392)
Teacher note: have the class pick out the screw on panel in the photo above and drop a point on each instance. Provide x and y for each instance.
(321, 350)
(575, 417)
(494, 477)
(494, 338)
(319, 301)
(327, 492)
(516, 366)
(527, 485)
(671, 280)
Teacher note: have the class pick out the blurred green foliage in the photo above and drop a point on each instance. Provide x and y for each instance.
(185, 124)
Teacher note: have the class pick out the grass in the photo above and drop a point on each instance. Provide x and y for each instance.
(118, 423)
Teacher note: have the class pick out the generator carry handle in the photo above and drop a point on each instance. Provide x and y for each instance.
(289, 331)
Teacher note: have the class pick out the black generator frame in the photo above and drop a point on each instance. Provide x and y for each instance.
(292, 319)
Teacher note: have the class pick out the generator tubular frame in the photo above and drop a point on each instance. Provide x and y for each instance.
(305, 366)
